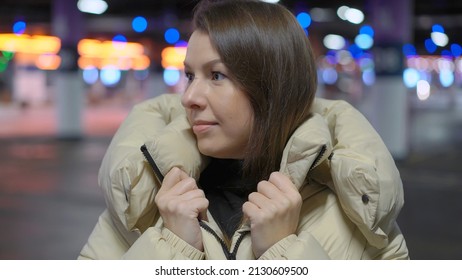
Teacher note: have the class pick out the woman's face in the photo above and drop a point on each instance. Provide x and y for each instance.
(219, 112)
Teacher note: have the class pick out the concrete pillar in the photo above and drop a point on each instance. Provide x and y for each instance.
(68, 24)
(387, 105)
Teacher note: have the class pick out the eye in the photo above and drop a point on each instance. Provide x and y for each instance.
(217, 76)
(189, 77)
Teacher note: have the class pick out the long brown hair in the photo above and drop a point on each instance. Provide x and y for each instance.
(270, 58)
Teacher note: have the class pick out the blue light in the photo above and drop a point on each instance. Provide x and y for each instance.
(447, 53)
(446, 78)
(119, 38)
(409, 50)
(410, 77)
(430, 46)
(19, 27)
(437, 28)
(355, 50)
(368, 77)
(110, 76)
(456, 50)
(329, 76)
(304, 19)
(172, 35)
(139, 24)
(181, 43)
(171, 76)
(90, 75)
(364, 41)
(366, 29)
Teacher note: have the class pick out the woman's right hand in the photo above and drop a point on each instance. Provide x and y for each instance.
(181, 204)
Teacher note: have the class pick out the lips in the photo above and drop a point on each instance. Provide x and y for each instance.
(202, 126)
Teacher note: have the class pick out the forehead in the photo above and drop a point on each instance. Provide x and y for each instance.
(200, 48)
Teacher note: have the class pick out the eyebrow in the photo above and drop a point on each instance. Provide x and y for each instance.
(207, 64)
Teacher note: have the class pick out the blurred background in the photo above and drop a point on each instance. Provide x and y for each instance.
(70, 71)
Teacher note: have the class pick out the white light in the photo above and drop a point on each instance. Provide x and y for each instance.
(270, 1)
(96, 7)
(446, 78)
(354, 16)
(334, 42)
(110, 75)
(423, 90)
(440, 39)
(342, 11)
(410, 77)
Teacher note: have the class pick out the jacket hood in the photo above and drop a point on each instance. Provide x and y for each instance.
(130, 185)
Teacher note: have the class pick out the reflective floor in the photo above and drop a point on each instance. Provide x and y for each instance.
(50, 201)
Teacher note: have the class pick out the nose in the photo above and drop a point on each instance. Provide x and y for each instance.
(193, 96)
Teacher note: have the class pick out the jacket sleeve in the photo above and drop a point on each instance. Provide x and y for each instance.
(324, 231)
(293, 247)
(108, 243)
(364, 174)
(127, 228)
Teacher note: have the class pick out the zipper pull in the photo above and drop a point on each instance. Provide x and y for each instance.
(152, 163)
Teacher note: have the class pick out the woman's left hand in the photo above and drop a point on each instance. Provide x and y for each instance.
(273, 211)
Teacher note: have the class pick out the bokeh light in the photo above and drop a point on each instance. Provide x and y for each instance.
(110, 75)
(364, 41)
(430, 46)
(423, 90)
(410, 77)
(304, 19)
(456, 50)
(90, 75)
(329, 76)
(446, 78)
(139, 24)
(172, 76)
(172, 35)
(19, 27)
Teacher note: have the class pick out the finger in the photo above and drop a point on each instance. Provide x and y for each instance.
(174, 176)
(249, 210)
(199, 205)
(259, 200)
(269, 190)
(184, 186)
(282, 182)
(192, 194)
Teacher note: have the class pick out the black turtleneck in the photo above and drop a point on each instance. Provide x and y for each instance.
(226, 191)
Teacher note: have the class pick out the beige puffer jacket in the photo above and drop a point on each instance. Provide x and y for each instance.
(351, 189)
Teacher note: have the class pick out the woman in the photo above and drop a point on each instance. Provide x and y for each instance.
(246, 164)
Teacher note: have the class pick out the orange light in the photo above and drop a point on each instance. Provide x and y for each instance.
(36, 44)
(43, 61)
(48, 62)
(100, 54)
(173, 57)
(141, 63)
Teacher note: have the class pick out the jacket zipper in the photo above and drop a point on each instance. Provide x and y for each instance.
(151, 162)
(230, 255)
(318, 157)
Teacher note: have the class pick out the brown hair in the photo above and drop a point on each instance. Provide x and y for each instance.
(270, 58)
